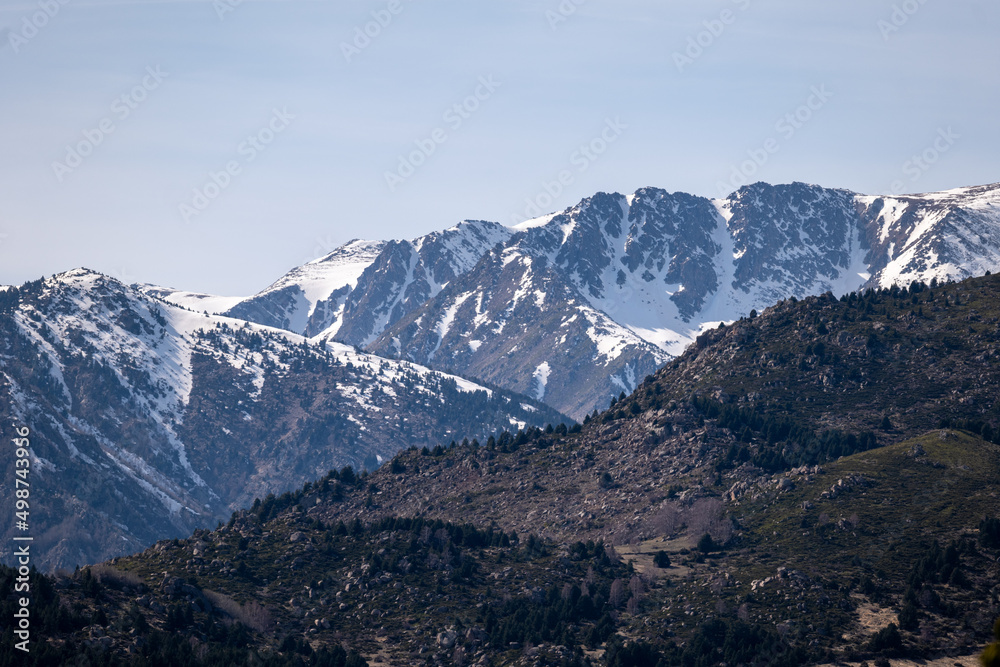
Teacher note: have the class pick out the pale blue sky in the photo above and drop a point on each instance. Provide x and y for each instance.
(555, 87)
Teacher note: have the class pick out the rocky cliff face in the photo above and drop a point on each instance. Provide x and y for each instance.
(649, 272)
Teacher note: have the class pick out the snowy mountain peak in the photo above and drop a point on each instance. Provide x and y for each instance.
(77, 273)
(655, 267)
(352, 250)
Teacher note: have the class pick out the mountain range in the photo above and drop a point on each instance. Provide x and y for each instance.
(578, 306)
(810, 484)
(162, 411)
(151, 420)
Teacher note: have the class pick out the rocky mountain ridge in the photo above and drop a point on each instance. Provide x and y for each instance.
(595, 297)
(152, 420)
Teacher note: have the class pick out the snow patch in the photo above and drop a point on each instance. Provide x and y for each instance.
(541, 376)
(534, 222)
(444, 326)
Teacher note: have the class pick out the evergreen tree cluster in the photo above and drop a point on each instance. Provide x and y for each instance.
(568, 616)
(782, 442)
(331, 485)
(9, 300)
(717, 641)
(508, 442)
(989, 533)
(936, 566)
(941, 566)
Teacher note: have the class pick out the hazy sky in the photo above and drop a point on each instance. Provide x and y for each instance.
(211, 146)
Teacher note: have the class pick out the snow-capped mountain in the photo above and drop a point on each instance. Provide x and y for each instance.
(516, 320)
(945, 235)
(150, 419)
(356, 291)
(580, 305)
(311, 298)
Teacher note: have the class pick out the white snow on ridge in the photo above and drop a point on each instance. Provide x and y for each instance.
(724, 207)
(193, 300)
(974, 197)
(320, 278)
(467, 386)
(892, 210)
(627, 381)
(167, 360)
(388, 371)
(853, 276)
(149, 343)
(644, 308)
(96, 315)
(460, 247)
(316, 281)
(399, 292)
(969, 219)
(535, 222)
